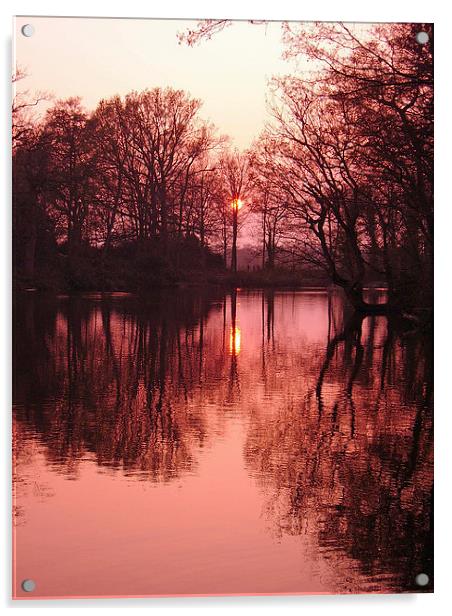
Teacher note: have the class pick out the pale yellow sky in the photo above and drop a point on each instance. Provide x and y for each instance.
(97, 58)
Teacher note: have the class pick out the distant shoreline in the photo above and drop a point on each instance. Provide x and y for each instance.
(206, 285)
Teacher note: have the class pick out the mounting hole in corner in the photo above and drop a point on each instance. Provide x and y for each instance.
(422, 38)
(422, 579)
(27, 30)
(28, 585)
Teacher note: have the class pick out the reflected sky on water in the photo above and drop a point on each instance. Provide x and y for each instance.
(197, 442)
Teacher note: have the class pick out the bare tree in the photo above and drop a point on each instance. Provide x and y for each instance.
(70, 188)
(269, 200)
(235, 168)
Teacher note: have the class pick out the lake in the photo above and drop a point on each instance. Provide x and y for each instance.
(212, 442)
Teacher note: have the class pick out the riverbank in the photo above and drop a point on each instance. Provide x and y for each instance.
(139, 269)
(194, 279)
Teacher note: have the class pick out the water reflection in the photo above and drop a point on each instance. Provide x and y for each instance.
(315, 422)
(113, 378)
(235, 340)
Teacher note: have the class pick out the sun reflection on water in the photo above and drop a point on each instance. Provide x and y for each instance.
(235, 340)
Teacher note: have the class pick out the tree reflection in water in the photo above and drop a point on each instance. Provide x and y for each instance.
(336, 410)
(355, 463)
(115, 377)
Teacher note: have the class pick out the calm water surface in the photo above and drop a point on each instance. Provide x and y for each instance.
(248, 442)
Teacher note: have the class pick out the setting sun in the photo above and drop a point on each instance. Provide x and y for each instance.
(237, 204)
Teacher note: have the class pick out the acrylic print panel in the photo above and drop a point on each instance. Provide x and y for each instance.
(222, 308)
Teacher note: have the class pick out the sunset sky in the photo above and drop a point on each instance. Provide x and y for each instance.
(97, 58)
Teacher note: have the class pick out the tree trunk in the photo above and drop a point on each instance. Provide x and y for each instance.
(30, 246)
(234, 240)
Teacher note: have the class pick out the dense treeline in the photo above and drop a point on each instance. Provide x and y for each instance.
(139, 191)
(134, 183)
